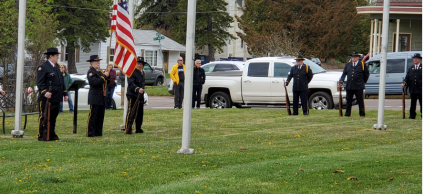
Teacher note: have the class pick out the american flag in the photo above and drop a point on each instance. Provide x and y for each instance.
(114, 17)
(125, 55)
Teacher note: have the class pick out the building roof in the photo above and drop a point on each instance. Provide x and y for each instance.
(401, 3)
(146, 38)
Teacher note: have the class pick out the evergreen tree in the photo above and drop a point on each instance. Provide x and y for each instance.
(81, 23)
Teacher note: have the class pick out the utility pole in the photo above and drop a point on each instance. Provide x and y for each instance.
(381, 102)
(188, 85)
(159, 37)
(17, 132)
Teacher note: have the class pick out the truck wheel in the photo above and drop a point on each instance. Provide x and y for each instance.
(320, 100)
(220, 100)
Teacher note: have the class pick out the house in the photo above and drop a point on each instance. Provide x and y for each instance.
(405, 27)
(234, 48)
(145, 46)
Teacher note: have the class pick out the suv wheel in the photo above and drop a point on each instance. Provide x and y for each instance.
(220, 100)
(320, 100)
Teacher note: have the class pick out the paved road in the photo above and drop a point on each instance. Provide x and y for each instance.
(371, 104)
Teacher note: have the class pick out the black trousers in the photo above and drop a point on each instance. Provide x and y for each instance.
(95, 120)
(360, 101)
(413, 98)
(296, 97)
(139, 116)
(178, 94)
(54, 111)
(197, 90)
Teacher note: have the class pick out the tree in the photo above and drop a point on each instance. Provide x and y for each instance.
(39, 34)
(81, 23)
(324, 27)
(212, 21)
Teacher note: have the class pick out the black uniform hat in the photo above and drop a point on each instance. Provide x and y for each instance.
(52, 51)
(355, 54)
(300, 57)
(417, 55)
(141, 60)
(94, 58)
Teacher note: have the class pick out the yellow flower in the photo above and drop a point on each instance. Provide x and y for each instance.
(20, 180)
(348, 179)
(3, 158)
(48, 160)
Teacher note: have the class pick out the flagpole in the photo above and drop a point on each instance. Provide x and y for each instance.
(131, 17)
(188, 85)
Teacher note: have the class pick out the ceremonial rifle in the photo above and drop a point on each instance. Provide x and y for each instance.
(403, 104)
(133, 115)
(46, 117)
(288, 108)
(340, 101)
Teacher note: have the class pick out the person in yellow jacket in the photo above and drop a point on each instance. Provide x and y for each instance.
(177, 75)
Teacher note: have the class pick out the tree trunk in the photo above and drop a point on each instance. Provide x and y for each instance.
(211, 56)
(71, 59)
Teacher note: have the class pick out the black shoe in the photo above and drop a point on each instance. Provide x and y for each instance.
(139, 130)
(305, 114)
(346, 115)
(411, 118)
(294, 115)
(362, 116)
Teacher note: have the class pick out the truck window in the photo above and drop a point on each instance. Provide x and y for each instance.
(258, 70)
(281, 69)
(208, 68)
(393, 66)
(410, 62)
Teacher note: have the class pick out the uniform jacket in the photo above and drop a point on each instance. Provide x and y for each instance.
(301, 77)
(356, 76)
(198, 76)
(97, 81)
(174, 74)
(413, 79)
(135, 83)
(47, 76)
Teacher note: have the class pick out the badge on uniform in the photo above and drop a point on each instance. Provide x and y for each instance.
(90, 74)
(39, 68)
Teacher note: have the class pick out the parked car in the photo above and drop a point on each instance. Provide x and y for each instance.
(397, 64)
(153, 76)
(317, 61)
(261, 82)
(216, 66)
(83, 95)
(223, 66)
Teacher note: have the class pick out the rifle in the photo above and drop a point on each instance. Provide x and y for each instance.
(133, 115)
(46, 118)
(403, 104)
(340, 101)
(288, 104)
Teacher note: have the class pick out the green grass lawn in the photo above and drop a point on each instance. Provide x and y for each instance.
(237, 151)
(157, 91)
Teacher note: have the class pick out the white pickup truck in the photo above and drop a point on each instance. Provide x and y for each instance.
(261, 82)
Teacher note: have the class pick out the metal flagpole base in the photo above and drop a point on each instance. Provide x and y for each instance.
(17, 133)
(122, 127)
(376, 127)
(187, 151)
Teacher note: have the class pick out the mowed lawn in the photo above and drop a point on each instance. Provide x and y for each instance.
(237, 151)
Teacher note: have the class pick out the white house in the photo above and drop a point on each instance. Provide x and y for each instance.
(145, 46)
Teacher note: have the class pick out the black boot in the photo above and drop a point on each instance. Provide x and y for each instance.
(139, 130)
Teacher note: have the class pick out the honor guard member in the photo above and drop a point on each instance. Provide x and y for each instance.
(413, 81)
(302, 75)
(357, 75)
(97, 92)
(49, 75)
(136, 86)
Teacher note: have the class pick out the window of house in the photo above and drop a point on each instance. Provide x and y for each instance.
(151, 57)
(241, 43)
(404, 42)
(258, 70)
(111, 54)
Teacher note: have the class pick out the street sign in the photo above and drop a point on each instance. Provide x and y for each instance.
(159, 38)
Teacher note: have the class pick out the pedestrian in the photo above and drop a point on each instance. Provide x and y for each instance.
(110, 88)
(122, 82)
(49, 77)
(198, 81)
(413, 81)
(302, 75)
(97, 93)
(357, 75)
(68, 83)
(177, 75)
(136, 86)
